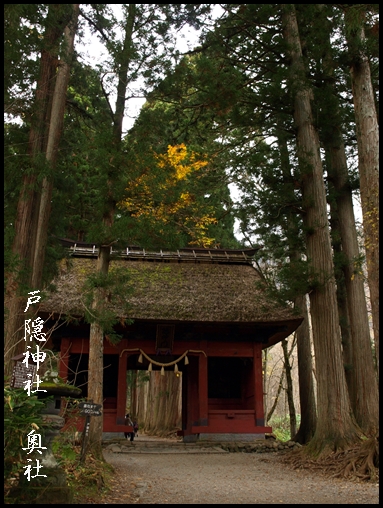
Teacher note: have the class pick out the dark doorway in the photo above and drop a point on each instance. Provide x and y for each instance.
(110, 375)
(78, 372)
(224, 378)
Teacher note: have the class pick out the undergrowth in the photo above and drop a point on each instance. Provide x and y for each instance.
(89, 479)
(22, 417)
(281, 427)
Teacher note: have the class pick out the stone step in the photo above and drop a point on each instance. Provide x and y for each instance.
(161, 447)
(148, 444)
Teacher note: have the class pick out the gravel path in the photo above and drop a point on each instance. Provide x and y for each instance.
(225, 478)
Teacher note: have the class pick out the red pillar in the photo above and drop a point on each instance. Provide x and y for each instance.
(64, 358)
(121, 387)
(202, 386)
(258, 385)
(192, 399)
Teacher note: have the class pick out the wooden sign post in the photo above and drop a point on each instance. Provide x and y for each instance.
(22, 373)
(87, 409)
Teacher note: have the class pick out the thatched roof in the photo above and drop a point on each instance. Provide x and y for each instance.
(197, 289)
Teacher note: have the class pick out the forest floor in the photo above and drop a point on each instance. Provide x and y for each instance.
(163, 475)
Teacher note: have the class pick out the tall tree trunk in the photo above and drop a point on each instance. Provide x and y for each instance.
(19, 280)
(335, 426)
(341, 294)
(173, 414)
(134, 395)
(289, 387)
(264, 369)
(96, 359)
(162, 404)
(143, 398)
(273, 407)
(367, 132)
(359, 362)
(153, 402)
(306, 382)
(360, 373)
(96, 341)
(54, 135)
(306, 379)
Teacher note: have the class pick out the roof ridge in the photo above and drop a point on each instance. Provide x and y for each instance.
(84, 249)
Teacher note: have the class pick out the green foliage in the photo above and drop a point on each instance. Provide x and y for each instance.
(62, 448)
(22, 27)
(142, 377)
(89, 157)
(22, 414)
(15, 164)
(135, 378)
(281, 426)
(87, 480)
(178, 113)
(115, 289)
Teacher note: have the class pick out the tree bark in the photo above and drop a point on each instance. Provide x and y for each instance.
(360, 372)
(96, 342)
(359, 362)
(341, 294)
(160, 403)
(173, 413)
(96, 360)
(273, 407)
(134, 395)
(306, 379)
(335, 428)
(367, 132)
(264, 369)
(306, 382)
(19, 280)
(54, 135)
(289, 388)
(154, 391)
(143, 398)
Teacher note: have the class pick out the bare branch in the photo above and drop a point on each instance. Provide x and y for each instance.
(95, 25)
(106, 95)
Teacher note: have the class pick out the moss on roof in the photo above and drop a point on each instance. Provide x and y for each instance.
(180, 291)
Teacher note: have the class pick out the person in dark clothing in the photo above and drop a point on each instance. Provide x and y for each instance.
(128, 421)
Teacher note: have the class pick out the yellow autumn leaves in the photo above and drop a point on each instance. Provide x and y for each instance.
(183, 163)
(164, 195)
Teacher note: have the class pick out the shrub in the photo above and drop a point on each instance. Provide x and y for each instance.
(281, 426)
(22, 413)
